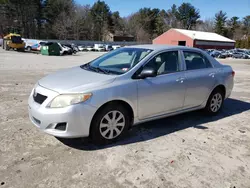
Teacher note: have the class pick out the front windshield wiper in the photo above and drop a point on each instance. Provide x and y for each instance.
(96, 69)
(85, 66)
(101, 70)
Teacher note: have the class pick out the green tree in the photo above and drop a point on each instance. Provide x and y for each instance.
(246, 25)
(101, 16)
(188, 15)
(39, 16)
(171, 18)
(117, 23)
(19, 16)
(238, 44)
(160, 23)
(220, 21)
(233, 24)
(243, 44)
(55, 13)
(148, 23)
(248, 42)
(82, 23)
(55, 7)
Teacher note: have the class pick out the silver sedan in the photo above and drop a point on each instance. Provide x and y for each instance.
(105, 97)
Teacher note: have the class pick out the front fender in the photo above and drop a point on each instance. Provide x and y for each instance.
(126, 92)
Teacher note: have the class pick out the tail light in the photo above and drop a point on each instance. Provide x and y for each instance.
(233, 73)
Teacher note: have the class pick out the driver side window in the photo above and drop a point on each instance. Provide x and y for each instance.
(164, 63)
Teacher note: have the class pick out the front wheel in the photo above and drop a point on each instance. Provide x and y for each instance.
(215, 102)
(109, 124)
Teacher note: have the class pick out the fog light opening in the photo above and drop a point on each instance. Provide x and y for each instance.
(61, 126)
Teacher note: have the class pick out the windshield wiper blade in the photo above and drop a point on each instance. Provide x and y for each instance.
(85, 66)
(98, 69)
(103, 70)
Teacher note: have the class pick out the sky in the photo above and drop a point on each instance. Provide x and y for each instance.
(207, 8)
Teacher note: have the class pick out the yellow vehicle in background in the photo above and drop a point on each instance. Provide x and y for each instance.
(13, 41)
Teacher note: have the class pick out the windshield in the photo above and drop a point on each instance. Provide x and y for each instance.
(16, 39)
(119, 61)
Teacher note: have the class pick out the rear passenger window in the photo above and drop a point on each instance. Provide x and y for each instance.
(196, 60)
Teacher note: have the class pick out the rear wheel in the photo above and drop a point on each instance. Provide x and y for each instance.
(7, 48)
(28, 48)
(215, 102)
(109, 124)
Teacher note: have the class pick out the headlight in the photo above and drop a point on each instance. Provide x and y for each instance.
(68, 99)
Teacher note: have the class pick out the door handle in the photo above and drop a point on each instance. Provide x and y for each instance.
(181, 80)
(212, 75)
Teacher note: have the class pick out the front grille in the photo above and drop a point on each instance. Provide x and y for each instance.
(39, 98)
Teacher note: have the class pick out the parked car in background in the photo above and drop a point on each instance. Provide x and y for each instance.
(13, 41)
(75, 47)
(72, 47)
(108, 47)
(215, 53)
(99, 47)
(223, 55)
(237, 55)
(32, 44)
(65, 50)
(116, 47)
(37, 47)
(82, 48)
(105, 97)
(245, 55)
(90, 48)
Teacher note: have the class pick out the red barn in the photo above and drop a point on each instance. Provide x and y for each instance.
(198, 39)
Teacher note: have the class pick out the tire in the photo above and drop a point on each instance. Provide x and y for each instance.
(215, 102)
(20, 49)
(28, 48)
(7, 48)
(104, 131)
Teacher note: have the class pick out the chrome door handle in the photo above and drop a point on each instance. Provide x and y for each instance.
(181, 80)
(212, 75)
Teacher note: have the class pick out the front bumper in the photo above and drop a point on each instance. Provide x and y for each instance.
(76, 117)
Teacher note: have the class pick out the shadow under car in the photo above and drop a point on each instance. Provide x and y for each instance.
(165, 126)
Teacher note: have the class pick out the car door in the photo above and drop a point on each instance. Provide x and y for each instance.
(165, 92)
(200, 78)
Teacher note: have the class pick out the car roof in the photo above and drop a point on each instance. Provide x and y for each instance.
(157, 47)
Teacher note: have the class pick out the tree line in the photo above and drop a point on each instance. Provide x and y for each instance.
(65, 19)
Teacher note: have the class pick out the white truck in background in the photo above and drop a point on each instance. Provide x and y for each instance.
(99, 47)
(116, 46)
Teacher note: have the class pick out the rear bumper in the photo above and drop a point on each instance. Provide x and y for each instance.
(229, 87)
(76, 117)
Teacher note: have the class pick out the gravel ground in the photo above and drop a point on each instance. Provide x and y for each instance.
(189, 150)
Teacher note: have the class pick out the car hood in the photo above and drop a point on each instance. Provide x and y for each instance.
(75, 80)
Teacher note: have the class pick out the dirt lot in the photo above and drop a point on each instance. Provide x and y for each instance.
(184, 151)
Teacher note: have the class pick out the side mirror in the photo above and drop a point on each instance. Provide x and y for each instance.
(147, 72)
